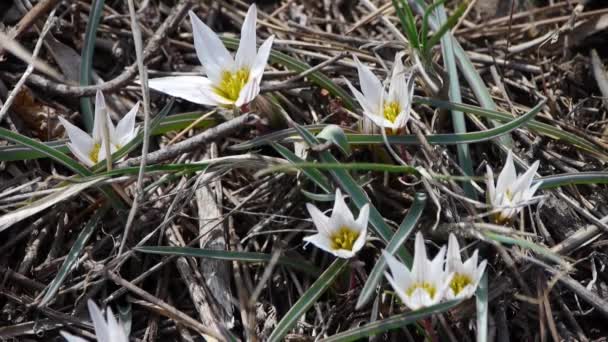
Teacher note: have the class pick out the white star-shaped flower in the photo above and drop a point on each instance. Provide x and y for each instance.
(106, 330)
(425, 284)
(465, 276)
(390, 110)
(511, 191)
(90, 149)
(230, 81)
(340, 234)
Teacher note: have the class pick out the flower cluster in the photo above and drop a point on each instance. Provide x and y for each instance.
(106, 330)
(430, 281)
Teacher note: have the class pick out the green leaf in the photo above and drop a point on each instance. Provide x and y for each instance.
(538, 249)
(293, 64)
(393, 322)
(335, 134)
(228, 256)
(533, 125)
(357, 194)
(481, 301)
(447, 24)
(406, 227)
(458, 122)
(45, 150)
(307, 299)
(72, 257)
(434, 139)
(406, 17)
(313, 174)
(86, 62)
(556, 181)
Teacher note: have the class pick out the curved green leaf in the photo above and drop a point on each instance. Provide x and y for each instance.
(556, 181)
(312, 173)
(228, 256)
(72, 256)
(406, 227)
(393, 322)
(335, 134)
(86, 62)
(307, 299)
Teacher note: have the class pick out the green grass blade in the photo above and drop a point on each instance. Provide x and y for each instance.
(556, 181)
(308, 299)
(447, 24)
(406, 227)
(533, 125)
(47, 151)
(538, 249)
(481, 301)
(86, 62)
(458, 122)
(357, 194)
(406, 17)
(228, 256)
(335, 135)
(393, 322)
(314, 174)
(293, 64)
(434, 139)
(73, 255)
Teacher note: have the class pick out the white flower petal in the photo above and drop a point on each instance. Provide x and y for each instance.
(261, 60)
(78, 137)
(100, 115)
(380, 120)
(454, 260)
(211, 52)
(319, 219)
(341, 214)
(507, 176)
(125, 129)
(420, 259)
(363, 218)
(247, 48)
(399, 271)
(397, 287)
(524, 181)
(71, 338)
(361, 239)
(398, 86)
(195, 89)
(101, 156)
(320, 241)
(529, 193)
(343, 253)
(367, 107)
(101, 328)
(81, 155)
(249, 91)
(491, 190)
(370, 86)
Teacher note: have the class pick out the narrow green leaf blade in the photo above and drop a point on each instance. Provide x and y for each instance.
(86, 62)
(394, 322)
(308, 299)
(406, 227)
(73, 255)
(481, 303)
(228, 256)
(314, 174)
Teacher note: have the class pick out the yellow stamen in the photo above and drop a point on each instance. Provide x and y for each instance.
(94, 154)
(426, 286)
(232, 83)
(344, 238)
(459, 282)
(391, 111)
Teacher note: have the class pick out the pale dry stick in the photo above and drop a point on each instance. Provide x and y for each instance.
(394, 30)
(143, 76)
(313, 69)
(464, 15)
(168, 310)
(30, 68)
(371, 16)
(152, 47)
(196, 141)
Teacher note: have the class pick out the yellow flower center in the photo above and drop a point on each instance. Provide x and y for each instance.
(94, 154)
(459, 282)
(344, 238)
(231, 84)
(426, 286)
(391, 111)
